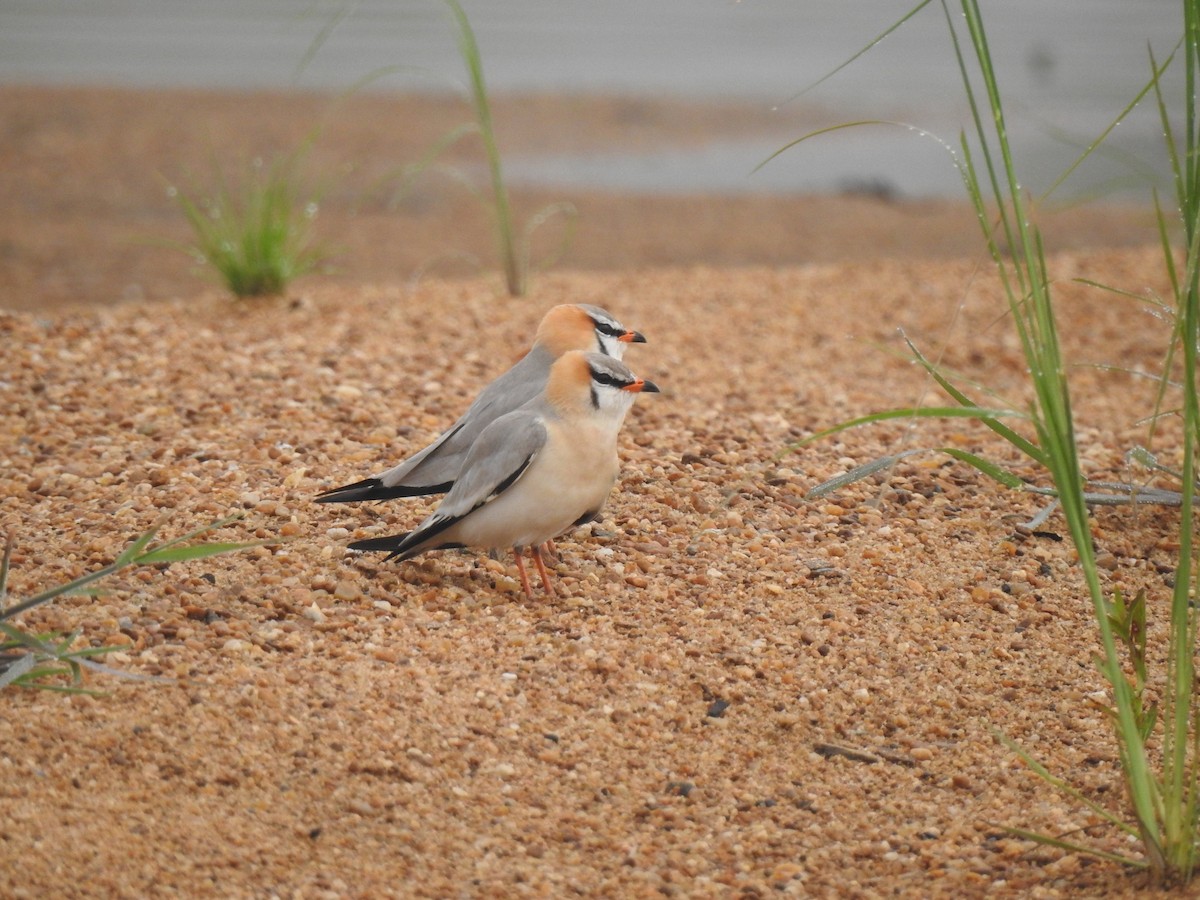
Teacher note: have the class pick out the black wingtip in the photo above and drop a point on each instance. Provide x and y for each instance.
(391, 543)
(374, 489)
(360, 490)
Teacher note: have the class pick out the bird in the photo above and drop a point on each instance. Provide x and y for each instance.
(535, 472)
(433, 470)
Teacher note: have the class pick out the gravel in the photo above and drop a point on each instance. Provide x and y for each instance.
(742, 691)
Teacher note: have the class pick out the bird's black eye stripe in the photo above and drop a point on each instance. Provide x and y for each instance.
(610, 380)
(609, 330)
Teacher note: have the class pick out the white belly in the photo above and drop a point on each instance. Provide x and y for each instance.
(553, 493)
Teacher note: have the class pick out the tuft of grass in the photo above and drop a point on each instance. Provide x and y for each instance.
(512, 247)
(256, 235)
(1163, 789)
(1163, 797)
(512, 241)
(514, 271)
(43, 661)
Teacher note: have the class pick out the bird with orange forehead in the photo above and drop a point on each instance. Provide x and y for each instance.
(434, 469)
(536, 472)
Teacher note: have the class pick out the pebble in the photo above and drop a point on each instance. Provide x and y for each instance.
(346, 591)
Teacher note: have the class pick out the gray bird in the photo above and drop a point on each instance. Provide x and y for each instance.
(434, 469)
(535, 472)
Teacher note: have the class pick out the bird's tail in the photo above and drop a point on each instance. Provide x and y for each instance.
(391, 544)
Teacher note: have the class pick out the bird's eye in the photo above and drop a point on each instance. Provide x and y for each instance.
(607, 329)
(606, 379)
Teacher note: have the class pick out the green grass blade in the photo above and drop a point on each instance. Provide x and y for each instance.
(1070, 847)
(322, 36)
(1050, 778)
(70, 587)
(1096, 142)
(136, 554)
(195, 551)
(138, 545)
(987, 467)
(920, 132)
(30, 642)
(505, 233)
(1015, 438)
(203, 529)
(877, 40)
(910, 412)
(858, 473)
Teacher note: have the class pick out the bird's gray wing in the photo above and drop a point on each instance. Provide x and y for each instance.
(441, 462)
(499, 456)
(497, 460)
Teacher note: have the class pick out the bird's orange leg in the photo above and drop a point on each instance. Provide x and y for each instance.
(536, 553)
(521, 568)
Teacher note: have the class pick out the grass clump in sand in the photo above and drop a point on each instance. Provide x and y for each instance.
(50, 661)
(1161, 785)
(256, 235)
(512, 241)
(1158, 744)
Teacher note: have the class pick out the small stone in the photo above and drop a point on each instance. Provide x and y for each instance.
(717, 709)
(346, 591)
(785, 872)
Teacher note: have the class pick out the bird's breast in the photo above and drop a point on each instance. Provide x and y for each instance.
(572, 475)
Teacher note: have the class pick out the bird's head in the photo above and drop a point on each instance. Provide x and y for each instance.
(579, 326)
(591, 382)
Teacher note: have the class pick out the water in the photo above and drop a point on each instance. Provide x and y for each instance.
(1067, 68)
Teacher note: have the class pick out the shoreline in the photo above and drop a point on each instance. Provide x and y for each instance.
(85, 174)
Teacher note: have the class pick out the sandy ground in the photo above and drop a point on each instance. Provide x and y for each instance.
(741, 692)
